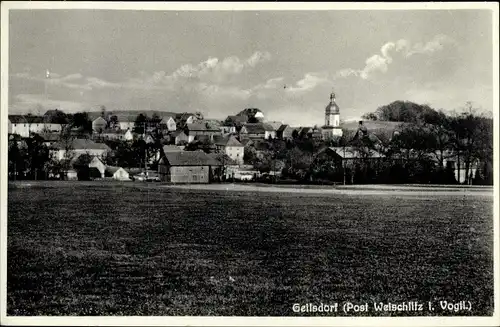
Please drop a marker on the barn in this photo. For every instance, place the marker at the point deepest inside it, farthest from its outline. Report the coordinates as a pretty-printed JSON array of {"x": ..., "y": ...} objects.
[{"x": 187, "y": 167}]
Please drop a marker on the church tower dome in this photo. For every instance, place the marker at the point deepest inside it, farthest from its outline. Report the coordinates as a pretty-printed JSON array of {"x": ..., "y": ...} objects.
[
  {"x": 332, "y": 127},
  {"x": 332, "y": 107}
]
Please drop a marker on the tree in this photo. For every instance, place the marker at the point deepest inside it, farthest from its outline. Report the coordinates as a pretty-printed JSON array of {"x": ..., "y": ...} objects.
[
  {"x": 38, "y": 155},
  {"x": 81, "y": 121},
  {"x": 471, "y": 139},
  {"x": 113, "y": 122},
  {"x": 140, "y": 122},
  {"x": 370, "y": 116},
  {"x": 17, "y": 162},
  {"x": 198, "y": 115}
]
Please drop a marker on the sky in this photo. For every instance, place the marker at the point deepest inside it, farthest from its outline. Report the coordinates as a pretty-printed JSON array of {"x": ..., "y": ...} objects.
[{"x": 285, "y": 63}]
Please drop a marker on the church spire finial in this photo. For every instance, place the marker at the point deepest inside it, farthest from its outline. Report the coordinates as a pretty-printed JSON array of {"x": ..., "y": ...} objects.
[{"x": 332, "y": 96}]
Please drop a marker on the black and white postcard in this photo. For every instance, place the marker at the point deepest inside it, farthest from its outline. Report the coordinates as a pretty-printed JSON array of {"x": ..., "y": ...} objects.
[{"x": 283, "y": 164}]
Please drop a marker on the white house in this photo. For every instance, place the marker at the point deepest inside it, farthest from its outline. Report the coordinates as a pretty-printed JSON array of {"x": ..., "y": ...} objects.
[
  {"x": 99, "y": 165},
  {"x": 168, "y": 123},
  {"x": 126, "y": 121},
  {"x": 230, "y": 146},
  {"x": 182, "y": 137},
  {"x": 113, "y": 134},
  {"x": 77, "y": 147},
  {"x": 117, "y": 173}
]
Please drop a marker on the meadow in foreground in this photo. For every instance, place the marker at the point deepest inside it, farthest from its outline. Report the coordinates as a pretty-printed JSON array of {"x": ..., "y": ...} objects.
[{"x": 112, "y": 249}]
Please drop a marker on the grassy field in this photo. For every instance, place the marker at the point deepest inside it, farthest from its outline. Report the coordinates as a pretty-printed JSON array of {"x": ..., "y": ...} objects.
[{"x": 143, "y": 249}]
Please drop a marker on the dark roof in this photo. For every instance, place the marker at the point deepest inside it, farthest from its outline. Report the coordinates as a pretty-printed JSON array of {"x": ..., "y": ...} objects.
[
  {"x": 51, "y": 112},
  {"x": 190, "y": 158},
  {"x": 84, "y": 159},
  {"x": 34, "y": 119},
  {"x": 202, "y": 138},
  {"x": 258, "y": 128},
  {"x": 235, "y": 120},
  {"x": 275, "y": 125},
  {"x": 261, "y": 145},
  {"x": 113, "y": 169},
  {"x": 303, "y": 130},
  {"x": 283, "y": 127},
  {"x": 246, "y": 142},
  {"x": 202, "y": 126},
  {"x": 171, "y": 148},
  {"x": 223, "y": 159},
  {"x": 226, "y": 140},
  {"x": 17, "y": 119},
  {"x": 50, "y": 136},
  {"x": 83, "y": 144},
  {"x": 114, "y": 131},
  {"x": 26, "y": 119}
]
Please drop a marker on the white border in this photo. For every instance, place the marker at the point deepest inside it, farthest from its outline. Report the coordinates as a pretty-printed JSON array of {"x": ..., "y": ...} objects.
[{"x": 240, "y": 321}]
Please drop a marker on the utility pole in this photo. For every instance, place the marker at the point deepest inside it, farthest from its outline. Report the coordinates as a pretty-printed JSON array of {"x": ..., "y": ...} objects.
[
  {"x": 145, "y": 151},
  {"x": 343, "y": 165},
  {"x": 47, "y": 77}
]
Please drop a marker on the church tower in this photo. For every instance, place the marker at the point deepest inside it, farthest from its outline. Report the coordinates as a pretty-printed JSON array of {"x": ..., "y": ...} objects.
[{"x": 332, "y": 120}]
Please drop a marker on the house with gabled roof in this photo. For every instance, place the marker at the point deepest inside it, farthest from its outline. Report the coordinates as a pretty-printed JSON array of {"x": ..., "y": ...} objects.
[
  {"x": 167, "y": 123},
  {"x": 187, "y": 167},
  {"x": 115, "y": 134},
  {"x": 259, "y": 131},
  {"x": 77, "y": 147},
  {"x": 182, "y": 119},
  {"x": 285, "y": 132},
  {"x": 25, "y": 125},
  {"x": 117, "y": 173},
  {"x": 126, "y": 121},
  {"x": 88, "y": 167},
  {"x": 180, "y": 137},
  {"x": 202, "y": 128},
  {"x": 230, "y": 146}
]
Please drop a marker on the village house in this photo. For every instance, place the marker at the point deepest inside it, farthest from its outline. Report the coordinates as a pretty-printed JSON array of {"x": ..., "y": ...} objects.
[
  {"x": 117, "y": 173},
  {"x": 115, "y": 134},
  {"x": 125, "y": 121},
  {"x": 88, "y": 167},
  {"x": 25, "y": 125},
  {"x": 18, "y": 125},
  {"x": 285, "y": 132},
  {"x": 181, "y": 137},
  {"x": 253, "y": 115},
  {"x": 275, "y": 125},
  {"x": 202, "y": 128},
  {"x": 167, "y": 123},
  {"x": 182, "y": 119},
  {"x": 233, "y": 123},
  {"x": 76, "y": 147},
  {"x": 50, "y": 138},
  {"x": 258, "y": 131},
  {"x": 227, "y": 168},
  {"x": 186, "y": 167},
  {"x": 230, "y": 146},
  {"x": 55, "y": 120}
]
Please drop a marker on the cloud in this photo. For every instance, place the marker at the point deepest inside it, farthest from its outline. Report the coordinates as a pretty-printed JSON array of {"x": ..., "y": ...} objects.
[
  {"x": 380, "y": 62},
  {"x": 309, "y": 82},
  {"x": 434, "y": 45},
  {"x": 257, "y": 58},
  {"x": 24, "y": 103}
]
